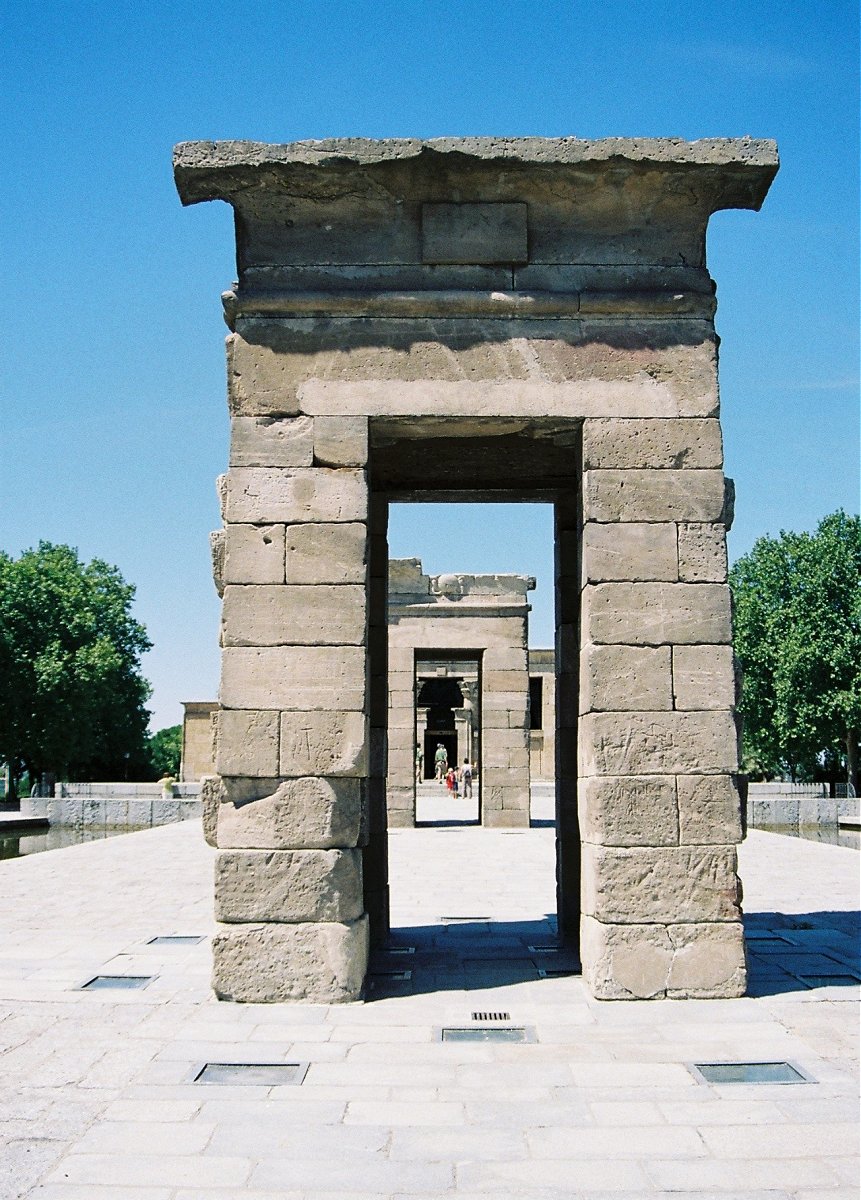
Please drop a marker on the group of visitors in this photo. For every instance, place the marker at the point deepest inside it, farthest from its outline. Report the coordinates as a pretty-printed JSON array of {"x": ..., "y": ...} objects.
[{"x": 457, "y": 780}]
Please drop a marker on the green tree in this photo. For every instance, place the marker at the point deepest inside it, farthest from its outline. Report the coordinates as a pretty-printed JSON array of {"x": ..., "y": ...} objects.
[
  {"x": 71, "y": 693},
  {"x": 798, "y": 637},
  {"x": 165, "y": 751}
]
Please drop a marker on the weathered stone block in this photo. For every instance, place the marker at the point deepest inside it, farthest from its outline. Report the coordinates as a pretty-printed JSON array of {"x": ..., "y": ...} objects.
[
  {"x": 324, "y": 743},
  {"x": 702, "y": 553},
  {"x": 703, "y": 677},
  {"x": 322, "y": 962},
  {"x": 305, "y": 615},
  {"x": 272, "y": 442},
  {"x": 709, "y": 809},
  {"x": 629, "y": 551},
  {"x": 212, "y": 796},
  {"x": 247, "y": 743},
  {"x": 622, "y": 678},
  {"x": 474, "y": 233},
  {"x": 288, "y": 885},
  {"x": 341, "y": 441},
  {"x": 326, "y": 553},
  {"x": 631, "y": 811},
  {"x": 654, "y": 614},
  {"x": 669, "y": 883},
  {"x": 294, "y": 678},
  {"x": 700, "y": 961},
  {"x": 662, "y": 444},
  {"x": 253, "y": 554},
  {"x": 506, "y": 818},
  {"x": 676, "y": 743},
  {"x": 299, "y": 814},
  {"x": 653, "y": 495},
  {"x": 266, "y": 495},
  {"x": 260, "y": 380},
  {"x": 216, "y": 554}
]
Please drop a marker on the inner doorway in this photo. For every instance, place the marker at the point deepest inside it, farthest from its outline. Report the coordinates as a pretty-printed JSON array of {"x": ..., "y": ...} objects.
[{"x": 448, "y": 709}]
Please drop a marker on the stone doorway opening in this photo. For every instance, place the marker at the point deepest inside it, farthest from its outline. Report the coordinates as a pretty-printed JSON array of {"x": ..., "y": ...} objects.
[
  {"x": 478, "y": 621},
  {"x": 447, "y": 707}
]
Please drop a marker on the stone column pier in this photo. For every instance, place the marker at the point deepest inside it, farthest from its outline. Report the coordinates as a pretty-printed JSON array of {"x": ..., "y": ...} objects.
[{"x": 539, "y": 312}]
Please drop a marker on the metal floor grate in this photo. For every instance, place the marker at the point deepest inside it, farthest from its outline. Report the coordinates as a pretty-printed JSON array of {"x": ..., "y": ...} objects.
[
  {"x": 750, "y": 1072},
  {"x": 118, "y": 982},
  {"x": 498, "y": 1033},
  {"x": 176, "y": 939},
  {"x": 491, "y": 1016},
  {"x": 251, "y": 1074}
]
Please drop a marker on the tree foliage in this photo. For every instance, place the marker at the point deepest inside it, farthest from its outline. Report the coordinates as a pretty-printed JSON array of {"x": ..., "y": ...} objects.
[
  {"x": 71, "y": 693},
  {"x": 165, "y": 751},
  {"x": 798, "y": 637}
]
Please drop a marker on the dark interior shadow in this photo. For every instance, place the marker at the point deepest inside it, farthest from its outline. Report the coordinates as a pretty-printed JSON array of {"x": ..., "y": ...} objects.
[
  {"x": 791, "y": 952},
  {"x": 468, "y": 954}
]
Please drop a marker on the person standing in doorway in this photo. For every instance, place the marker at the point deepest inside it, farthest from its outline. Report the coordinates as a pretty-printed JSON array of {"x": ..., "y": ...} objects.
[
  {"x": 440, "y": 760},
  {"x": 466, "y": 779},
  {"x": 420, "y": 762}
]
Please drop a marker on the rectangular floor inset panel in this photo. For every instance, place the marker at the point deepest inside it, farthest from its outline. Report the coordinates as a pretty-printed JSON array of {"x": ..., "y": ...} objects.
[
  {"x": 118, "y": 982},
  {"x": 497, "y": 1033},
  {"x": 176, "y": 939},
  {"x": 752, "y": 1072},
  {"x": 257, "y": 1074}
]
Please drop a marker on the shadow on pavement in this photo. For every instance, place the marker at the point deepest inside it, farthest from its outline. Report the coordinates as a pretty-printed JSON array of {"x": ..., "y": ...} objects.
[{"x": 791, "y": 952}]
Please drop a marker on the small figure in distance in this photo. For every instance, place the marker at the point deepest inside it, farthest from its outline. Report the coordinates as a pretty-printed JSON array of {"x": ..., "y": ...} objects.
[
  {"x": 440, "y": 761},
  {"x": 167, "y": 781},
  {"x": 466, "y": 779},
  {"x": 420, "y": 762},
  {"x": 451, "y": 781}
]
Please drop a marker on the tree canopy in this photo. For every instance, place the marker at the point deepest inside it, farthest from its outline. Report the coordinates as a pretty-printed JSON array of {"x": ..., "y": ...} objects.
[
  {"x": 798, "y": 638},
  {"x": 165, "y": 751},
  {"x": 72, "y": 697}
]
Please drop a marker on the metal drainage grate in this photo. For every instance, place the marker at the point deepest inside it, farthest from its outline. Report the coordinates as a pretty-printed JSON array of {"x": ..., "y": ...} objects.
[
  {"x": 750, "y": 1072},
  {"x": 390, "y": 973},
  {"x": 400, "y": 950},
  {"x": 118, "y": 982},
  {"x": 491, "y": 1016},
  {"x": 556, "y": 972},
  {"x": 543, "y": 949},
  {"x": 500, "y": 1033},
  {"x": 460, "y": 920},
  {"x": 250, "y": 1074},
  {"x": 176, "y": 939}
]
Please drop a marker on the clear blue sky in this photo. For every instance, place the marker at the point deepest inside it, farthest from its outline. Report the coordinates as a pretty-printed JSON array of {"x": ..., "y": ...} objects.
[{"x": 114, "y": 420}]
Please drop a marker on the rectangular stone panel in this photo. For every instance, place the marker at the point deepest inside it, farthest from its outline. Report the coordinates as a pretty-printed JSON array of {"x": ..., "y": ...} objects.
[
  {"x": 288, "y": 885},
  {"x": 480, "y": 234},
  {"x": 669, "y": 883},
  {"x": 247, "y": 743},
  {"x": 663, "y": 444},
  {"x": 265, "y": 495},
  {"x": 293, "y": 677},
  {"x": 341, "y": 441},
  {"x": 324, "y": 743},
  {"x": 259, "y": 379},
  {"x": 703, "y": 677},
  {"x": 710, "y": 809},
  {"x": 304, "y": 615},
  {"x": 682, "y": 743},
  {"x": 293, "y": 814},
  {"x": 653, "y": 614},
  {"x": 634, "y": 810},
  {"x": 624, "y": 678},
  {"x": 629, "y": 551},
  {"x": 650, "y": 961},
  {"x": 323, "y": 552},
  {"x": 702, "y": 553},
  {"x": 253, "y": 554},
  {"x": 653, "y": 495},
  {"x": 272, "y": 442},
  {"x": 320, "y": 962}
]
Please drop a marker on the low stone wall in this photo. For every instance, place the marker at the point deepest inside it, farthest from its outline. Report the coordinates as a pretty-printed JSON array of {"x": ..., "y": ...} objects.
[
  {"x": 787, "y": 804},
  {"x": 99, "y": 805}
]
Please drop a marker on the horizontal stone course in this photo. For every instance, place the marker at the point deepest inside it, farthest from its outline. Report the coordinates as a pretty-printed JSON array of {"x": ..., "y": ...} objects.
[
  {"x": 628, "y": 551},
  {"x": 625, "y": 678},
  {"x": 323, "y": 962},
  {"x": 661, "y": 444},
  {"x": 326, "y": 552},
  {"x": 632, "y": 810},
  {"x": 659, "y": 743},
  {"x": 626, "y": 885},
  {"x": 654, "y": 614},
  {"x": 297, "y": 615},
  {"x": 288, "y": 885},
  {"x": 324, "y": 743},
  {"x": 312, "y": 813},
  {"x": 303, "y": 678},
  {"x": 271, "y": 442},
  {"x": 267, "y": 495},
  {"x": 653, "y": 495}
]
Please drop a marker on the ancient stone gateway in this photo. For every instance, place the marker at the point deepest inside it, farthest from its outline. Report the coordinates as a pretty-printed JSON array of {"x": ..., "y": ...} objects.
[{"x": 541, "y": 310}]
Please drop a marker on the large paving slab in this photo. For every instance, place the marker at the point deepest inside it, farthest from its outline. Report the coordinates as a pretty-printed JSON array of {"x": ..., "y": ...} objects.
[{"x": 97, "y": 1102}]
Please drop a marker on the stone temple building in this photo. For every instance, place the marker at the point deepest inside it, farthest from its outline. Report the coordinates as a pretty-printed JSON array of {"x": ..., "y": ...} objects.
[{"x": 539, "y": 311}]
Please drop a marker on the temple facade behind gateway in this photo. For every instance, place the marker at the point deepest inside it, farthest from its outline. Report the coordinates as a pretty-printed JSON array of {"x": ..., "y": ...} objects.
[{"x": 460, "y": 675}]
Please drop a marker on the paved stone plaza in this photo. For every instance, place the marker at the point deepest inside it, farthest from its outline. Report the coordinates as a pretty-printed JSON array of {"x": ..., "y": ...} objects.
[{"x": 98, "y": 1104}]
